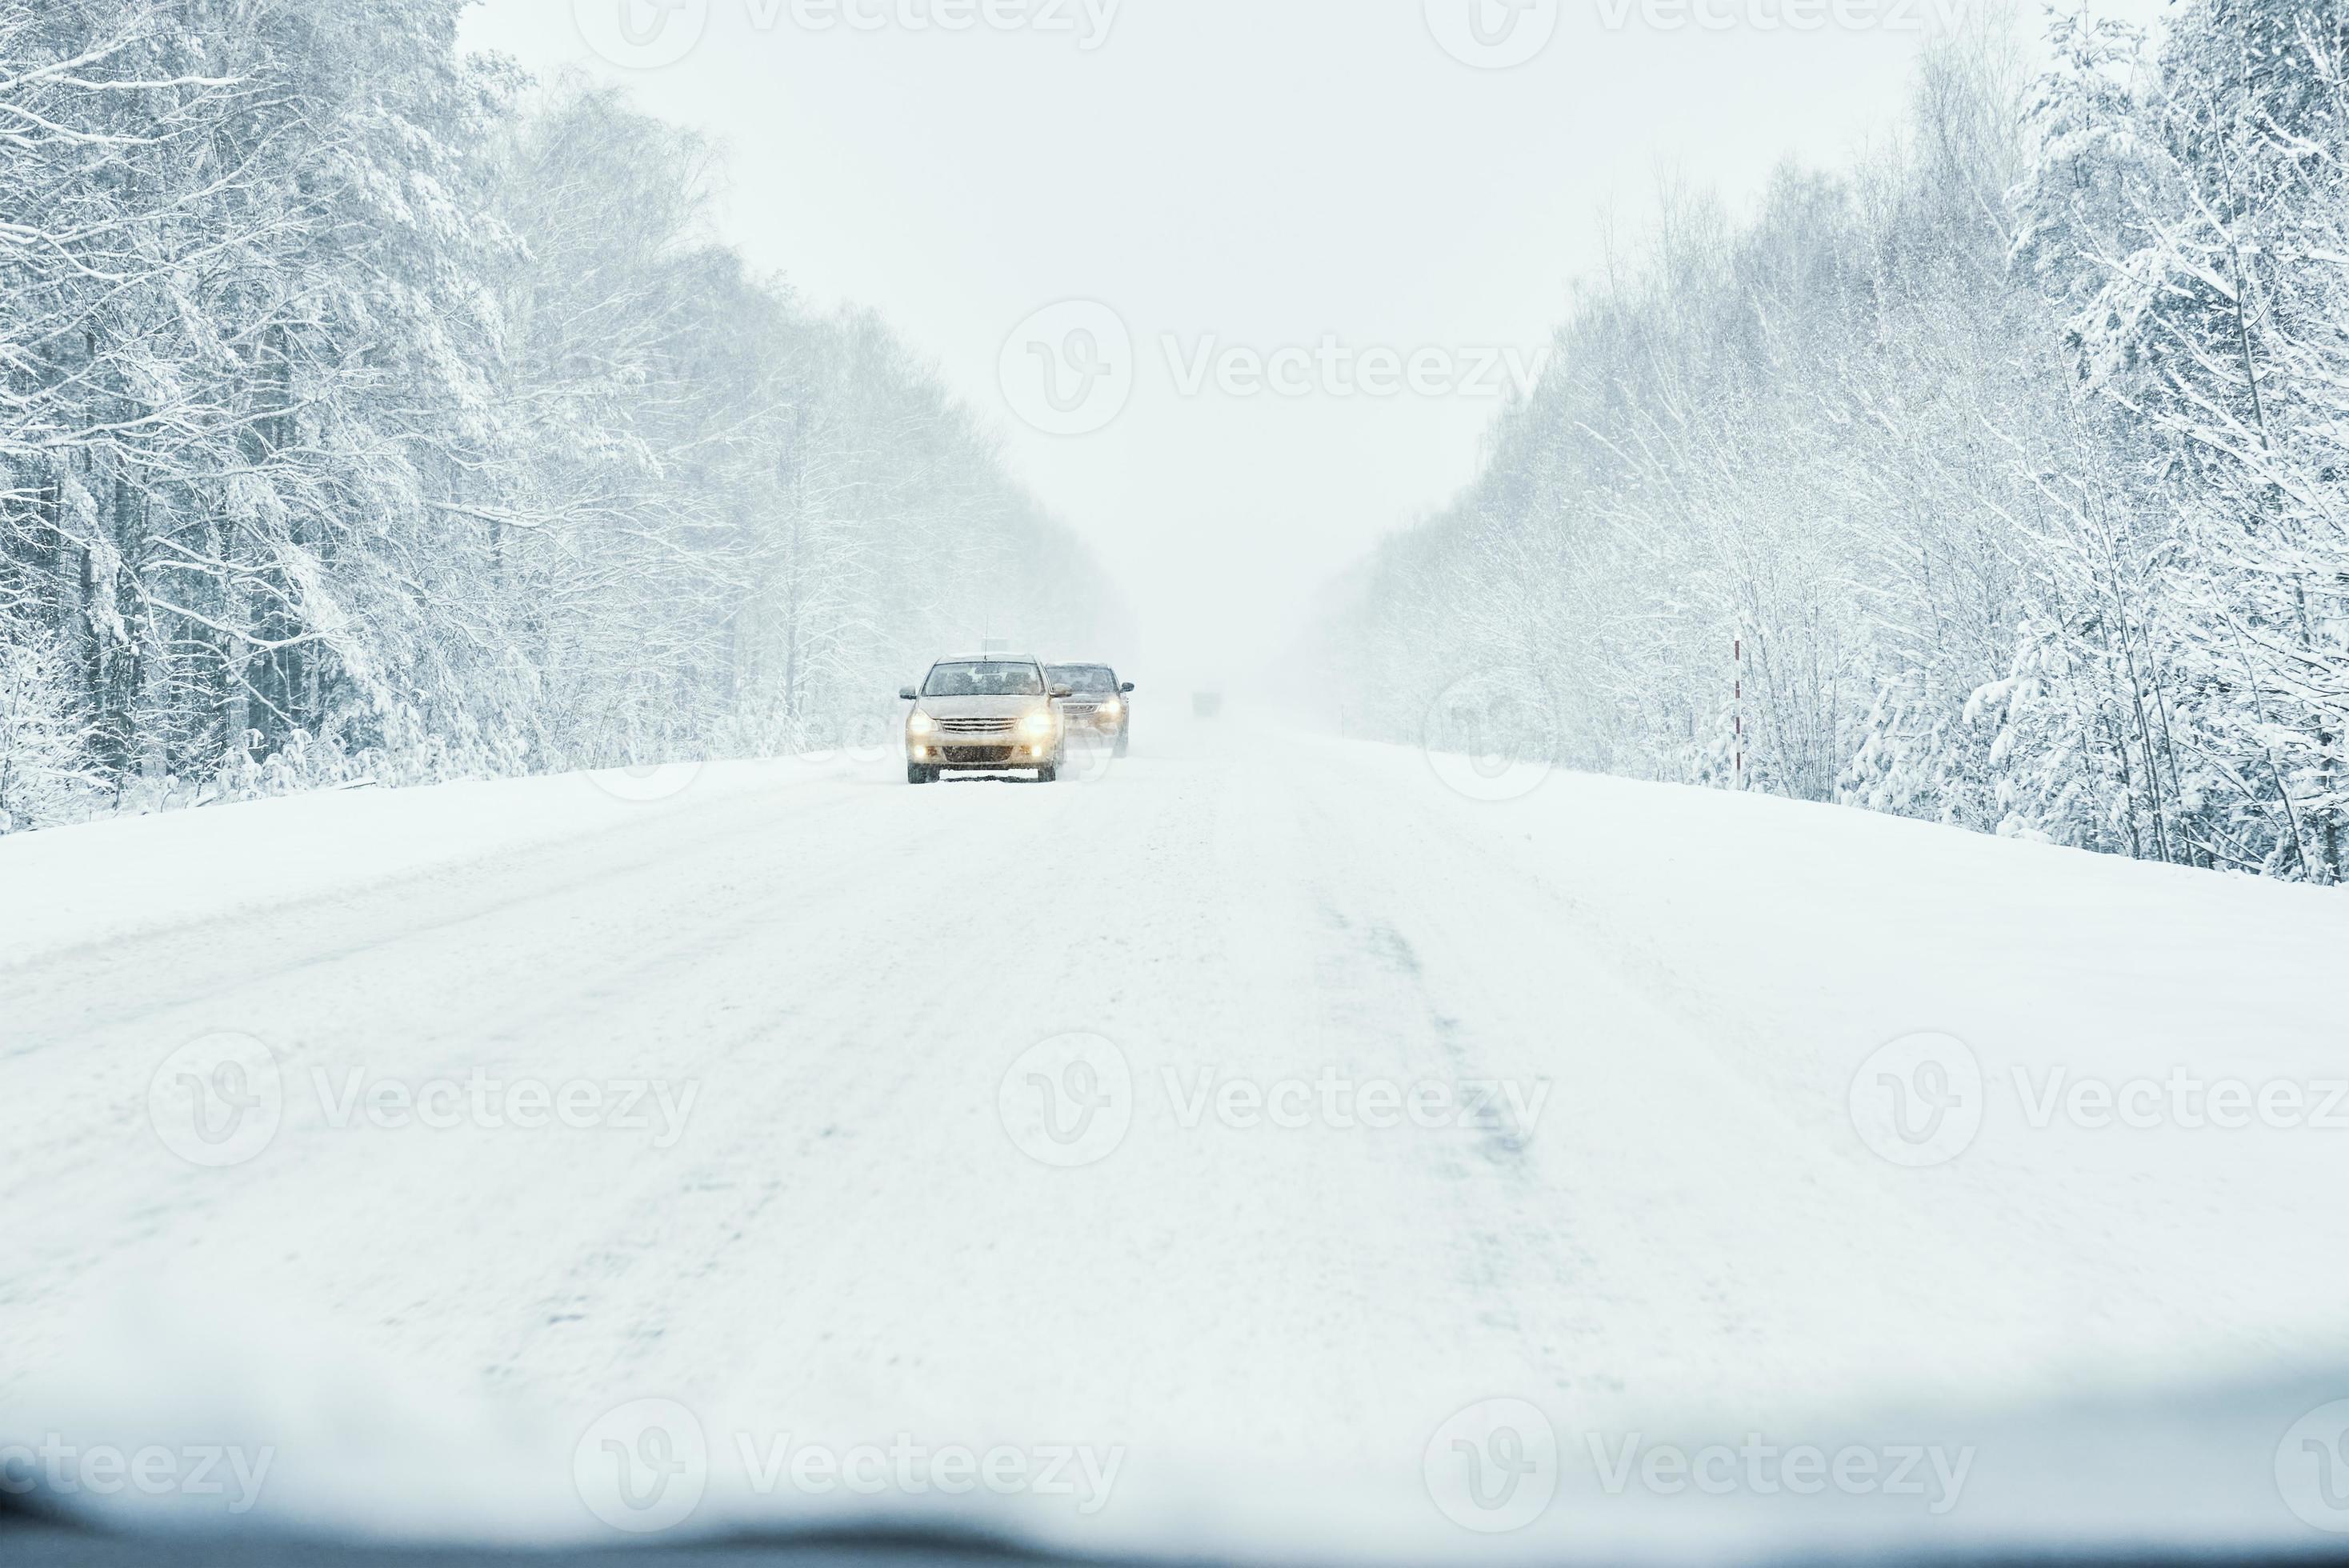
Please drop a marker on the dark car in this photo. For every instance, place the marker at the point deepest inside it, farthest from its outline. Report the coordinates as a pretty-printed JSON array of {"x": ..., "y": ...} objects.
[{"x": 1097, "y": 703}]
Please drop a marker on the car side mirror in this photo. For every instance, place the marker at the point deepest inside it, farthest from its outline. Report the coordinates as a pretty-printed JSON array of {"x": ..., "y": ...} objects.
[
  {"x": 1128, "y": 688},
  {"x": 905, "y": 694},
  {"x": 1064, "y": 691}
]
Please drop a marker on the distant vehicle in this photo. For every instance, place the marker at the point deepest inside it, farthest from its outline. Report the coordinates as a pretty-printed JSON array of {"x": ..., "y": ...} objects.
[
  {"x": 1206, "y": 704},
  {"x": 984, "y": 713},
  {"x": 1097, "y": 704}
]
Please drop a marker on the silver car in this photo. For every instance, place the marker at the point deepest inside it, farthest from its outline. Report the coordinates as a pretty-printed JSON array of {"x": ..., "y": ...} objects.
[
  {"x": 984, "y": 713},
  {"x": 1098, "y": 704}
]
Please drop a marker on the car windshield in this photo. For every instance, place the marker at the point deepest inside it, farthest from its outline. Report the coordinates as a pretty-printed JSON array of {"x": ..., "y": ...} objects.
[
  {"x": 1695, "y": 930},
  {"x": 991, "y": 678}
]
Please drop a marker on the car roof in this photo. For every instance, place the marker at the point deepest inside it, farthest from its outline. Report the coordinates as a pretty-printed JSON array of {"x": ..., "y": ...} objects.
[{"x": 988, "y": 659}]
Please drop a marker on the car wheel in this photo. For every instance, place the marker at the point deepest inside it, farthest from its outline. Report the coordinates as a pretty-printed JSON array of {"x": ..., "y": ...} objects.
[
  {"x": 1049, "y": 774},
  {"x": 917, "y": 774},
  {"x": 1119, "y": 749}
]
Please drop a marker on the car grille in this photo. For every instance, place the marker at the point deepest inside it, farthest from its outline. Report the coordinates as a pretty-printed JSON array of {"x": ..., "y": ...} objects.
[
  {"x": 976, "y": 726},
  {"x": 979, "y": 754}
]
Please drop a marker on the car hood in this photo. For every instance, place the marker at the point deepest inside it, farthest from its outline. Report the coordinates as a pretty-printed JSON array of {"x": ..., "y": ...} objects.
[{"x": 979, "y": 706}]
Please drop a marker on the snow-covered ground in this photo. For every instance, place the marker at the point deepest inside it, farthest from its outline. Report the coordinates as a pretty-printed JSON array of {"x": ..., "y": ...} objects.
[{"x": 1258, "y": 1144}]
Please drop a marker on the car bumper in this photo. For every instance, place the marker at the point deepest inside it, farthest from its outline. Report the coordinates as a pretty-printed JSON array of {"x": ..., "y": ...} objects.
[{"x": 981, "y": 757}]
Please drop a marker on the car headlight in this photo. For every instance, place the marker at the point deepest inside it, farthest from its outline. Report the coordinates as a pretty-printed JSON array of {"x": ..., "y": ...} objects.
[
  {"x": 1111, "y": 708},
  {"x": 921, "y": 724},
  {"x": 1040, "y": 724}
]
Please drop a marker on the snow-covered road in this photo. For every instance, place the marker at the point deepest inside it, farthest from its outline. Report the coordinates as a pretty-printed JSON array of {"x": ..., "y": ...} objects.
[{"x": 1232, "y": 1119}]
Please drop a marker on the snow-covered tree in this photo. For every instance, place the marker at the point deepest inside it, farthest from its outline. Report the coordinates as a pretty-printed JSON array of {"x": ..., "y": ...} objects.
[
  {"x": 44, "y": 768},
  {"x": 367, "y": 410},
  {"x": 2012, "y": 460}
]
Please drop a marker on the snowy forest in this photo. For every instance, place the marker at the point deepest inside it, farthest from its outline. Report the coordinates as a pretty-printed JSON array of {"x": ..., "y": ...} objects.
[
  {"x": 373, "y": 413},
  {"x": 2001, "y": 478}
]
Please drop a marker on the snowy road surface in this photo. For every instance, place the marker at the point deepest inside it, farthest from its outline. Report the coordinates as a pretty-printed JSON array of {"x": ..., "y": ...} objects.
[{"x": 519, "y": 1105}]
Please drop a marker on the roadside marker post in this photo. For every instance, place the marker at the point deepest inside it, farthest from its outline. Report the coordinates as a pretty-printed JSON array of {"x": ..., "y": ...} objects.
[{"x": 1737, "y": 711}]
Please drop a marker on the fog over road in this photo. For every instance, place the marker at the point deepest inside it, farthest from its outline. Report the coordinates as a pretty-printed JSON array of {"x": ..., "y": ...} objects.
[{"x": 1227, "y": 1118}]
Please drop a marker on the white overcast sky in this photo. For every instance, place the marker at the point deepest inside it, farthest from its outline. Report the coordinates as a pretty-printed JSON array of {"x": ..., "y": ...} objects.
[{"x": 1261, "y": 171}]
